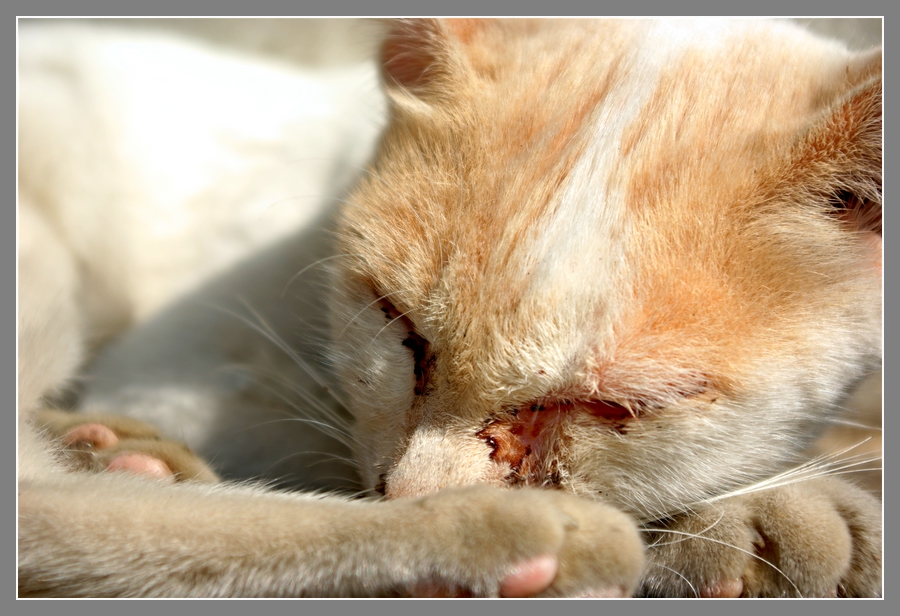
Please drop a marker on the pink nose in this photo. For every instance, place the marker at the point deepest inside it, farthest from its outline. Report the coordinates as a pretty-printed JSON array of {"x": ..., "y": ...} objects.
[{"x": 434, "y": 460}]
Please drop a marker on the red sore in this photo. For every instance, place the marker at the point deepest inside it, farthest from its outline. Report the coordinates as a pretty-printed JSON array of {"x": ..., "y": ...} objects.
[{"x": 523, "y": 438}]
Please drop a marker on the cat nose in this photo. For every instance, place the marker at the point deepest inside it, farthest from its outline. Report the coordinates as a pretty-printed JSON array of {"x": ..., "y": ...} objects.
[{"x": 435, "y": 460}]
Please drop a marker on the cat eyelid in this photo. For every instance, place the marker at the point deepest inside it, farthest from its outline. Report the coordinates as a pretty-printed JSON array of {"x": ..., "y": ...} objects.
[
  {"x": 418, "y": 345},
  {"x": 393, "y": 314},
  {"x": 384, "y": 301},
  {"x": 604, "y": 409},
  {"x": 618, "y": 409}
]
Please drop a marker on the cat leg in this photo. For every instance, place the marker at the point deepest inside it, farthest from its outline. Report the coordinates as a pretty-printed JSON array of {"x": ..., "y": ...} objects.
[
  {"x": 111, "y": 442},
  {"x": 816, "y": 538},
  {"x": 114, "y": 534}
]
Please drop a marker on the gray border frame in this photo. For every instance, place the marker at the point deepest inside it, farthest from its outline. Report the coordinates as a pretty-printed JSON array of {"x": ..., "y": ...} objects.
[{"x": 337, "y": 8}]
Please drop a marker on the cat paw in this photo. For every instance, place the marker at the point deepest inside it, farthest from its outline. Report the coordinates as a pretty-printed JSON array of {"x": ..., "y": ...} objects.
[
  {"x": 114, "y": 443},
  {"x": 542, "y": 543},
  {"x": 818, "y": 538}
]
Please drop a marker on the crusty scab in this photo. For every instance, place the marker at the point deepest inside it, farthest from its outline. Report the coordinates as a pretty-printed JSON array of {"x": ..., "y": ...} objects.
[{"x": 525, "y": 438}]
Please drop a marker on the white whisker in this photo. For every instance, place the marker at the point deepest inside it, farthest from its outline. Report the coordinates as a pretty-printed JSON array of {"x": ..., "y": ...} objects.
[
  {"x": 739, "y": 549},
  {"x": 263, "y": 328},
  {"x": 821, "y": 466},
  {"x": 369, "y": 305},
  {"x": 671, "y": 570},
  {"x": 312, "y": 265},
  {"x": 390, "y": 323}
]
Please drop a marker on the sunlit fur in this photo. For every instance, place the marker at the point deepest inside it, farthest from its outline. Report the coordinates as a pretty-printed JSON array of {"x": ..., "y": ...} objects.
[
  {"x": 666, "y": 235},
  {"x": 635, "y": 212}
]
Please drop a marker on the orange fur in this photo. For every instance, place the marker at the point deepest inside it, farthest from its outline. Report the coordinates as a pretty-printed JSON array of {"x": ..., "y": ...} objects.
[{"x": 715, "y": 240}]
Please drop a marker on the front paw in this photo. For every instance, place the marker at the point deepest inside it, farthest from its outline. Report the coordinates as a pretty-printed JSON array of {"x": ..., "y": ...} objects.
[
  {"x": 817, "y": 538},
  {"x": 543, "y": 543},
  {"x": 113, "y": 443}
]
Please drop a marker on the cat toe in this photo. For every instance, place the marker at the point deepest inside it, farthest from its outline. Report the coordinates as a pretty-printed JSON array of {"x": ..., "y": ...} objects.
[
  {"x": 529, "y": 578},
  {"x": 819, "y": 538},
  {"x": 141, "y": 464},
  {"x": 157, "y": 459},
  {"x": 93, "y": 435},
  {"x": 538, "y": 543},
  {"x": 725, "y": 589},
  {"x": 113, "y": 443},
  {"x": 602, "y": 554}
]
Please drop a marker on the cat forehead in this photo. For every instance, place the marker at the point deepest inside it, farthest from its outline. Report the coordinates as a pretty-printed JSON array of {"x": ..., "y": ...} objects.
[
  {"x": 579, "y": 179},
  {"x": 556, "y": 126}
]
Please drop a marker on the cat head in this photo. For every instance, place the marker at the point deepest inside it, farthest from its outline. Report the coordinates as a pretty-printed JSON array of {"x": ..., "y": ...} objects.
[{"x": 636, "y": 260}]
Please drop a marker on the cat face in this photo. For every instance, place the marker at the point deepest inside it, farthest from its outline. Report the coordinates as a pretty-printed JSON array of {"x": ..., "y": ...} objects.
[{"x": 634, "y": 260}]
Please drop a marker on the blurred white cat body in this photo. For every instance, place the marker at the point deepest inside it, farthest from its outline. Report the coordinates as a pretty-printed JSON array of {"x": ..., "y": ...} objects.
[{"x": 152, "y": 164}]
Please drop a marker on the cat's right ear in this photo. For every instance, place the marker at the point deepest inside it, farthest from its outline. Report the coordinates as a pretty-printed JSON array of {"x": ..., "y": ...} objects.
[
  {"x": 843, "y": 151},
  {"x": 864, "y": 66},
  {"x": 837, "y": 162}
]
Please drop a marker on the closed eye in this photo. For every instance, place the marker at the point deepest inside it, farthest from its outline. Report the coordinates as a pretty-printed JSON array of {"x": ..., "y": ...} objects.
[{"x": 420, "y": 347}]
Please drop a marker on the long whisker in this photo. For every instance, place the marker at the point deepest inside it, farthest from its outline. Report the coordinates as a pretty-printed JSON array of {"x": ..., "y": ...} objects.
[
  {"x": 837, "y": 421},
  {"x": 823, "y": 465},
  {"x": 327, "y": 429},
  {"x": 326, "y": 412},
  {"x": 739, "y": 549},
  {"x": 390, "y": 323},
  {"x": 312, "y": 265},
  {"x": 369, "y": 305},
  {"x": 686, "y": 581},
  {"x": 266, "y": 331},
  {"x": 705, "y": 530},
  {"x": 325, "y": 457}
]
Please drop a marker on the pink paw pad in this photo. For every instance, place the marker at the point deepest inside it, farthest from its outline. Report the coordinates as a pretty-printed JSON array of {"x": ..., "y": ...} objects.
[
  {"x": 529, "y": 578},
  {"x": 141, "y": 464},
  {"x": 729, "y": 589}
]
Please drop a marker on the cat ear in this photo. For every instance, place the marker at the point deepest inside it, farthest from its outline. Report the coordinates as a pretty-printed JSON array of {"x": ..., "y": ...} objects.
[
  {"x": 411, "y": 52},
  {"x": 840, "y": 156},
  {"x": 864, "y": 66},
  {"x": 422, "y": 56}
]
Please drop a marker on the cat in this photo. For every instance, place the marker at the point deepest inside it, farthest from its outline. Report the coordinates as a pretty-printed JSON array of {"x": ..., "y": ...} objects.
[{"x": 628, "y": 268}]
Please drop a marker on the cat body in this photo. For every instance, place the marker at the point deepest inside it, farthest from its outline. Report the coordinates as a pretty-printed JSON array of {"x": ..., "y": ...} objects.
[{"x": 635, "y": 264}]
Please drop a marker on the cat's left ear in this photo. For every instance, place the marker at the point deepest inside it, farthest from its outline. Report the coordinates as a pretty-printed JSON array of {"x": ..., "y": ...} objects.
[
  {"x": 426, "y": 60},
  {"x": 840, "y": 156}
]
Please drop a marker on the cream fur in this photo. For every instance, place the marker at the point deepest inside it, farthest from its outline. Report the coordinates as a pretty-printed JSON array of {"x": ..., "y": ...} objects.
[{"x": 577, "y": 214}]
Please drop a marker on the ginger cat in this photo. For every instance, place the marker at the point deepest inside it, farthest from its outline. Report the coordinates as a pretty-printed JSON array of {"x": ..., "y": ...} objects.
[{"x": 601, "y": 285}]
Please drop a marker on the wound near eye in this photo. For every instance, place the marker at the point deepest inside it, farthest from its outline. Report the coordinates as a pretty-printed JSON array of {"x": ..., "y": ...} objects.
[{"x": 525, "y": 438}]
